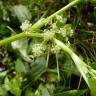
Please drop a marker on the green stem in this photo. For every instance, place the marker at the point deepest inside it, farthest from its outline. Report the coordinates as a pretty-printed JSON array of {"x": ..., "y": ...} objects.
[
  {"x": 47, "y": 20},
  {"x": 86, "y": 71},
  {"x": 79, "y": 63},
  {"x": 38, "y": 24},
  {"x": 19, "y": 36}
]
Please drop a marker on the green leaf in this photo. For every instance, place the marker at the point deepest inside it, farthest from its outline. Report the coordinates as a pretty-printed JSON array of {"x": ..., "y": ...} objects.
[
  {"x": 29, "y": 92},
  {"x": 51, "y": 75},
  {"x": 22, "y": 13},
  {"x": 45, "y": 90},
  {"x": 71, "y": 93},
  {"x": 85, "y": 70},
  {"x": 14, "y": 86},
  {"x": 69, "y": 67},
  {"x": 19, "y": 66},
  {"x": 38, "y": 68},
  {"x": 2, "y": 91},
  {"x": 93, "y": 2},
  {"x": 21, "y": 46}
]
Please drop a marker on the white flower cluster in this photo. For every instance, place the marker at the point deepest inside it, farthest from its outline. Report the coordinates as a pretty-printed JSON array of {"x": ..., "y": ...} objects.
[
  {"x": 55, "y": 49},
  {"x": 54, "y": 26},
  {"x": 62, "y": 31},
  {"x": 69, "y": 31},
  {"x": 65, "y": 31},
  {"x": 59, "y": 18},
  {"x": 38, "y": 49},
  {"x": 26, "y": 25},
  {"x": 48, "y": 35}
]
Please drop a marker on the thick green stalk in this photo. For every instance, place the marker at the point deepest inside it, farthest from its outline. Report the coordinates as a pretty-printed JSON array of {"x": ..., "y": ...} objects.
[
  {"x": 73, "y": 56},
  {"x": 47, "y": 20},
  {"x": 39, "y": 24},
  {"x": 19, "y": 36},
  {"x": 86, "y": 71}
]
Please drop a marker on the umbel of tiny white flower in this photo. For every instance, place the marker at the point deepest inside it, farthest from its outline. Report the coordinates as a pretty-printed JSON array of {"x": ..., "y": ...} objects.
[
  {"x": 48, "y": 35},
  {"x": 65, "y": 31},
  {"x": 38, "y": 49},
  {"x": 26, "y": 25},
  {"x": 55, "y": 49},
  {"x": 59, "y": 18}
]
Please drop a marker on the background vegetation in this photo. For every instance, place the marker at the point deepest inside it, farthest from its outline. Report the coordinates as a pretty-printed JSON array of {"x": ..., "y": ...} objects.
[{"x": 35, "y": 66}]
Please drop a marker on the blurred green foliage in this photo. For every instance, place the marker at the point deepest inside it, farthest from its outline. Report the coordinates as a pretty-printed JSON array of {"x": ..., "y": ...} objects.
[{"x": 29, "y": 75}]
